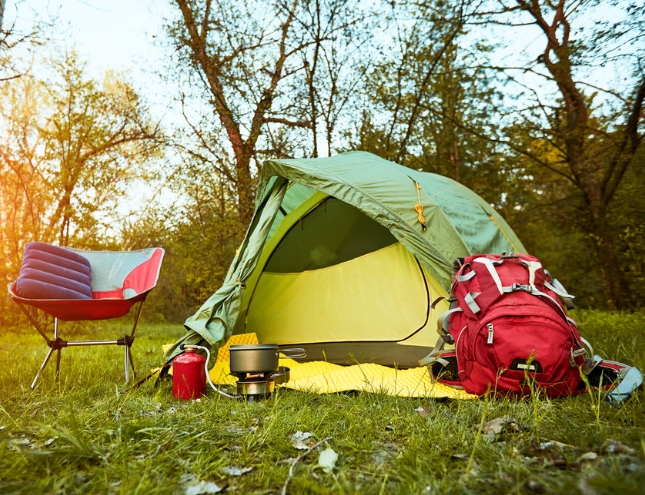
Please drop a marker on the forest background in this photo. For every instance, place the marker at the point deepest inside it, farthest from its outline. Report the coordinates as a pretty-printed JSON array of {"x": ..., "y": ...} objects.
[{"x": 535, "y": 105}]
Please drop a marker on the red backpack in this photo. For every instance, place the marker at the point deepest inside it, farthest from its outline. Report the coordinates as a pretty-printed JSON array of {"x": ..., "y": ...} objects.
[{"x": 510, "y": 330}]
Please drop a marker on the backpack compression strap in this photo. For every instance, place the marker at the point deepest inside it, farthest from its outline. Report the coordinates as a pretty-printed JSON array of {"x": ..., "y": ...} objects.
[{"x": 443, "y": 329}]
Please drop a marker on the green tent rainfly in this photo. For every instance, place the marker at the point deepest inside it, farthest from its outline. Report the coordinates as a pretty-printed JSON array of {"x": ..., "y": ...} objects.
[{"x": 337, "y": 260}]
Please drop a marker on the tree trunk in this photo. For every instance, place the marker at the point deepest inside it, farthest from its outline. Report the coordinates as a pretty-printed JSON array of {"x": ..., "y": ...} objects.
[
  {"x": 615, "y": 286},
  {"x": 245, "y": 188}
]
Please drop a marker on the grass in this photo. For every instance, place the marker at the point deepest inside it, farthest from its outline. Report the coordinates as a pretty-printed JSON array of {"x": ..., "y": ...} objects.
[{"x": 147, "y": 442}]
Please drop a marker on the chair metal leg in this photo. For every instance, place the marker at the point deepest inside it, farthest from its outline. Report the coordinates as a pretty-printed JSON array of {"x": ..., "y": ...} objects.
[
  {"x": 128, "y": 345},
  {"x": 58, "y": 353},
  {"x": 49, "y": 354},
  {"x": 136, "y": 320},
  {"x": 57, "y": 366},
  {"x": 35, "y": 323},
  {"x": 134, "y": 372},
  {"x": 127, "y": 364}
]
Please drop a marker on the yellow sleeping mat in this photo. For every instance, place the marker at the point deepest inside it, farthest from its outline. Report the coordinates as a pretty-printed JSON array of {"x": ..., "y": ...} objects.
[{"x": 319, "y": 377}]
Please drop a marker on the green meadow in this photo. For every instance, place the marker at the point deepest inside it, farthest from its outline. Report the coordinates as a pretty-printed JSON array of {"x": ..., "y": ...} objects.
[{"x": 82, "y": 435}]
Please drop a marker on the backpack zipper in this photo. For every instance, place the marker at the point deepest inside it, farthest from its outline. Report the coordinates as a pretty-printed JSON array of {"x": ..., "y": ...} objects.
[
  {"x": 566, "y": 328},
  {"x": 490, "y": 334}
]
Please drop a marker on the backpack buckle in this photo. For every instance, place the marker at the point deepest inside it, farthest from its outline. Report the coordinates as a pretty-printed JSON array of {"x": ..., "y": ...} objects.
[
  {"x": 510, "y": 256},
  {"x": 521, "y": 288}
]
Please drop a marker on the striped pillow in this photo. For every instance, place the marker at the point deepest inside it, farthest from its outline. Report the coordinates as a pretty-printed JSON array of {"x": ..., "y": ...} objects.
[{"x": 52, "y": 272}]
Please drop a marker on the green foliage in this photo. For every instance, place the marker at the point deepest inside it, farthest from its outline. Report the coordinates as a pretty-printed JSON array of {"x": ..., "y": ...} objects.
[
  {"x": 413, "y": 82},
  {"x": 200, "y": 234}
]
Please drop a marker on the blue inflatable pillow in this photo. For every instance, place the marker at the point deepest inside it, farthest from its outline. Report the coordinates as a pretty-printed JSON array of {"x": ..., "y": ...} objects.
[{"x": 51, "y": 272}]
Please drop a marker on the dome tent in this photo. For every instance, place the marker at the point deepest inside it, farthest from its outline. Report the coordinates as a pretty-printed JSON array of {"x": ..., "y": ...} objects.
[{"x": 336, "y": 260}]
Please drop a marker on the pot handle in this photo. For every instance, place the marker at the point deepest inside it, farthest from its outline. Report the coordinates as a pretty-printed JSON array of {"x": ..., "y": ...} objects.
[{"x": 299, "y": 350}]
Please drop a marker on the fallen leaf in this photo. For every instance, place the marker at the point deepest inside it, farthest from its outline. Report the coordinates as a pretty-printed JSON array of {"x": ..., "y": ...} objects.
[
  {"x": 615, "y": 447},
  {"x": 203, "y": 487},
  {"x": 563, "y": 464},
  {"x": 381, "y": 456},
  {"x": 173, "y": 410},
  {"x": 632, "y": 468},
  {"x": 234, "y": 429},
  {"x": 585, "y": 488},
  {"x": 299, "y": 436},
  {"x": 298, "y": 440},
  {"x": 327, "y": 460},
  {"x": 236, "y": 471},
  {"x": 496, "y": 426},
  {"x": 587, "y": 456},
  {"x": 553, "y": 443},
  {"x": 534, "y": 486},
  {"x": 50, "y": 441}
]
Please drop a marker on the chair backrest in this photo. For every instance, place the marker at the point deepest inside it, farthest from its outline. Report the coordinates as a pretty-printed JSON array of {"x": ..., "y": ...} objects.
[{"x": 123, "y": 274}]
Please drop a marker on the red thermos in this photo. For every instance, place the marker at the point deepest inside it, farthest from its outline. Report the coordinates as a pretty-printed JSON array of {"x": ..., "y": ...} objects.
[{"x": 189, "y": 376}]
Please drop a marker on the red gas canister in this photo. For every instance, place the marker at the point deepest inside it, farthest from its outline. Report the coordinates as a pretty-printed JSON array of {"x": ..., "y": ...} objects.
[{"x": 189, "y": 376}]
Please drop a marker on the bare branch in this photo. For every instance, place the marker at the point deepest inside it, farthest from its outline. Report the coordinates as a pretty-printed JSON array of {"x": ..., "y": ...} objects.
[{"x": 290, "y": 123}]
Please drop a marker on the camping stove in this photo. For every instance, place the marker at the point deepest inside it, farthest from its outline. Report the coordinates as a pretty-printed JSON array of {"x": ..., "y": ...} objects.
[
  {"x": 260, "y": 385},
  {"x": 254, "y": 387},
  {"x": 257, "y": 369}
]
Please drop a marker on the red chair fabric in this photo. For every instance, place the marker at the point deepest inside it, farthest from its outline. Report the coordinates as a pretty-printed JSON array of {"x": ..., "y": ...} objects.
[{"x": 129, "y": 276}]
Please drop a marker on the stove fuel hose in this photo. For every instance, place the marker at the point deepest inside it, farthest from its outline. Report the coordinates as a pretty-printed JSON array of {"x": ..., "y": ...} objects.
[{"x": 208, "y": 358}]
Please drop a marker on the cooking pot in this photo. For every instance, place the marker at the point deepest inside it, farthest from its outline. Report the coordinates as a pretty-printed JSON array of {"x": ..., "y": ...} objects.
[{"x": 259, "y": 358}]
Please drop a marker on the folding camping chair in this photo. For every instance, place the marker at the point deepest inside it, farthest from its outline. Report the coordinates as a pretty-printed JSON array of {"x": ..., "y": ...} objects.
[{"x": 119, "y": 280}]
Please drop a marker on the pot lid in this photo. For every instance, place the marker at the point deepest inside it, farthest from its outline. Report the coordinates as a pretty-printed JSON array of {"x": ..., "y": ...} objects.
[{"x": 254, "y": 347}]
